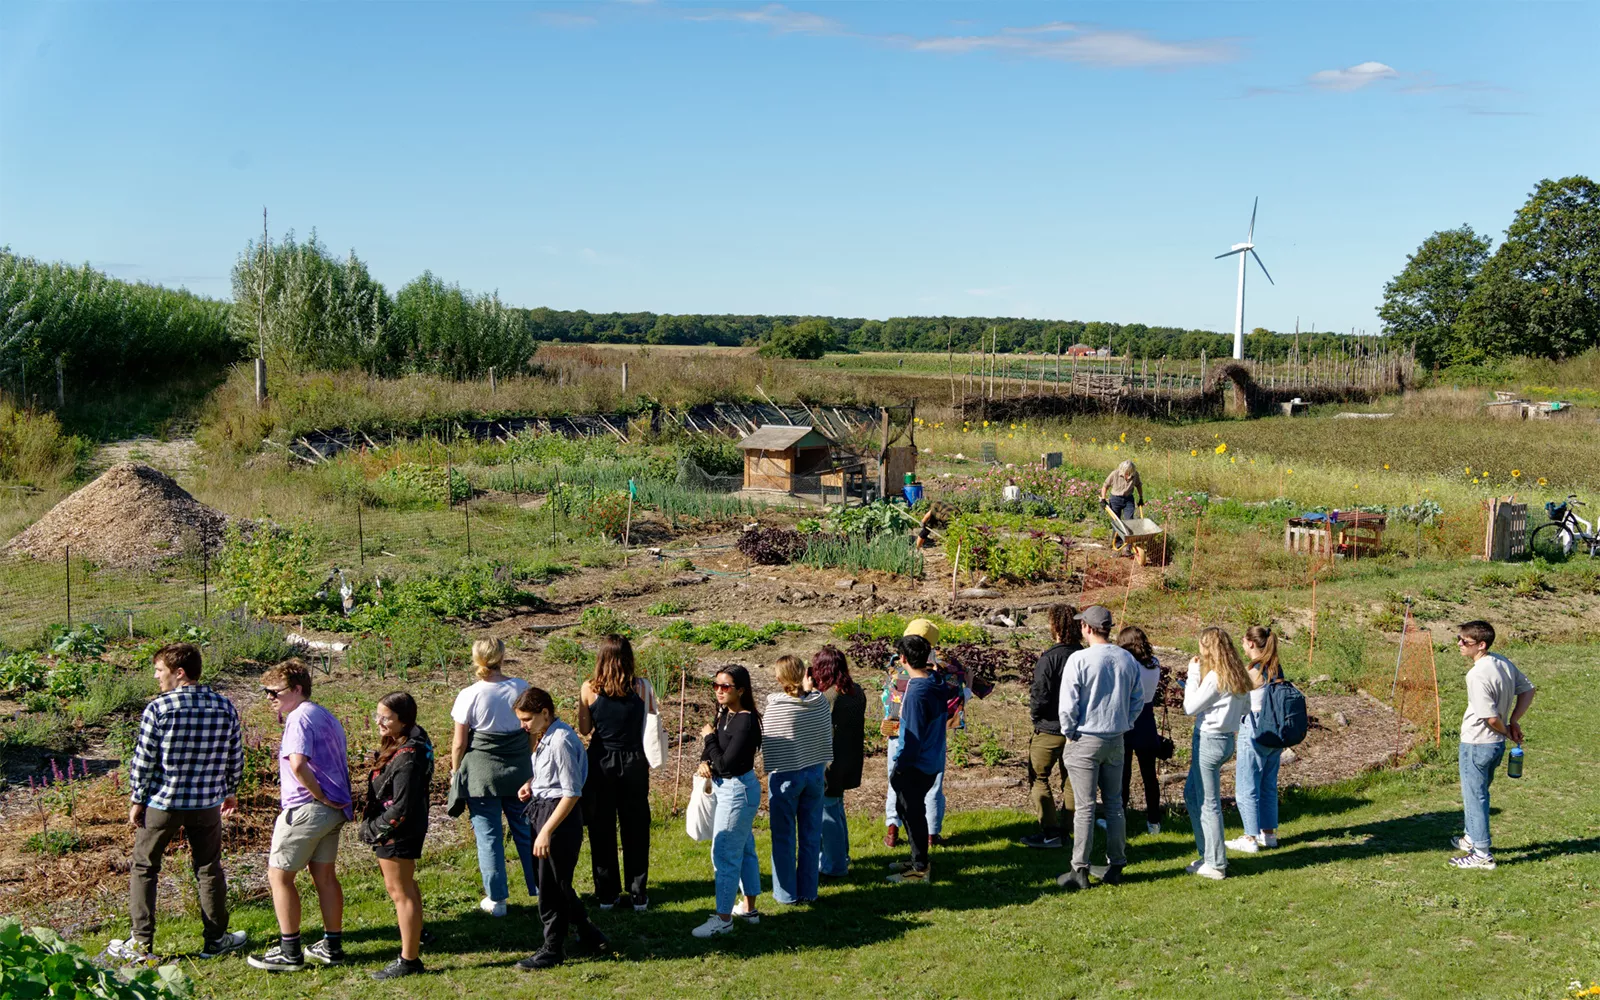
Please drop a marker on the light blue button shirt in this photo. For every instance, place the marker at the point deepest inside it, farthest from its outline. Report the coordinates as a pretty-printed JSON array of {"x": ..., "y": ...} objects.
[{"x": 560, "y": 765}]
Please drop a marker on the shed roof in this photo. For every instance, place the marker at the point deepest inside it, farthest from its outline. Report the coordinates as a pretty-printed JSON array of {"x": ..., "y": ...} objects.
[{"x": 779, "y": 437}]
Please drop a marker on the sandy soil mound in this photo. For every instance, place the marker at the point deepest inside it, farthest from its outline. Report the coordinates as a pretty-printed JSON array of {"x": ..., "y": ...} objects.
[{"x": 132, "y": 516}]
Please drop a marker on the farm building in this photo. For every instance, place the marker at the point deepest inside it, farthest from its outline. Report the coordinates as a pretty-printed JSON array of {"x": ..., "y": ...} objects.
[{"x": 775, "y": 456}]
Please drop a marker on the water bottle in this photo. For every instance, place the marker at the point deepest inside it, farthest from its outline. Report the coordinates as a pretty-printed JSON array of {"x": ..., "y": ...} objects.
[{"x": 1514, "y": 763}]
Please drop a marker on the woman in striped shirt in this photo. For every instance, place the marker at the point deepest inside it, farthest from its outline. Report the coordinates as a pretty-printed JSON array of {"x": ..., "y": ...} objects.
[{"x": 796, "y": 748}]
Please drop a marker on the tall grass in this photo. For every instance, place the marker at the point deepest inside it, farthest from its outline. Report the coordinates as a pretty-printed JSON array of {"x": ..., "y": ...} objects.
[
  {"x": 885, "y": 553},
  {"x": 33, "y": 449}
]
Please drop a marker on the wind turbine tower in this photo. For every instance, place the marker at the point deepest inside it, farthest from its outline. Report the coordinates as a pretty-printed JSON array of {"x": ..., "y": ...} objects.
[{"x": 1247, "y": 248}]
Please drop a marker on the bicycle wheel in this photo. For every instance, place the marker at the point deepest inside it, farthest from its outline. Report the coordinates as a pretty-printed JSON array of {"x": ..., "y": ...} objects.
[{"x": 1551, "y": 542}]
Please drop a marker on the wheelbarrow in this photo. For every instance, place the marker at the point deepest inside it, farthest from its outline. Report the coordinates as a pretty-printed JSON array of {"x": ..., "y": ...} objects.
[{"x": 1135, "y": 532}]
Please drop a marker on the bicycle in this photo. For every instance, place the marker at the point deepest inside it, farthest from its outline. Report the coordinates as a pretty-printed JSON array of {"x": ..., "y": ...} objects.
[{"x": 1564, "y": 534}]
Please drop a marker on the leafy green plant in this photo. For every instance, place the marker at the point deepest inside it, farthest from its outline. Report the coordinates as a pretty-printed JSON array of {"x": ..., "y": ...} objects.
[
  {"x": 1005, "y": 547},
  {"x": 991, "y": 749},
  {"x": 869, "y": 520},
  {"x": 727, "y": 635},
  {"x": 598, "y": 620},
  {"x": 1531, "y": 582},
  {"x": 268, "y": 571},
  {"x": 661, "y": 609},
  {"x": 1587, "y": 580},
  {"x": 411, "y": 639},
  {"x": 22, "y": 672},
  {"x": 663, "y": 660},
  {"x": 414, "y": 483},
  {"x": 37, "y": 962},
  {"x": 886, "y": 553},
  {"x": 960, "y": 748},
  {"x": 571, "y": 654},
  {"x": 888, "y": 626},
  {"x": 68, "y": 679},
  {"x": 85, "y": 640},
  {"x": 53, "y": 843}
]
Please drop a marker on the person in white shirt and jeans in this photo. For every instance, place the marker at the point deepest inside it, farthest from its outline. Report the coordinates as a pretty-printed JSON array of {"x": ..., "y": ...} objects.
[
  {"x": 1497, "y": 696},
  {"x": 1216, "y": 694}
]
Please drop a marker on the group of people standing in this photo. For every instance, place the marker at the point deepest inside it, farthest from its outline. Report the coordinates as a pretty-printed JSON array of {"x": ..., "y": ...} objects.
[{"x": 515, "y": 765}]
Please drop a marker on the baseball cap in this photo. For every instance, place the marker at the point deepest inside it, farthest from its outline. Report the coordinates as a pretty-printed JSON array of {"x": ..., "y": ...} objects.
[
  {"x": 1096, "y": 617},
  {"x": 925, "y": 628}
]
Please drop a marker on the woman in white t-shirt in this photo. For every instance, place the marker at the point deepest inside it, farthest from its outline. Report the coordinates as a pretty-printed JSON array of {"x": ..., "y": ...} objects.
[
  {"x": 490, "y": 745},
  {"x": 1216, "y": 694}
]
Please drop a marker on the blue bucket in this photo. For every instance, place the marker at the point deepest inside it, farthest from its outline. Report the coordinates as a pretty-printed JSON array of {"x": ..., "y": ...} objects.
[{"x": 913, "y": 493}]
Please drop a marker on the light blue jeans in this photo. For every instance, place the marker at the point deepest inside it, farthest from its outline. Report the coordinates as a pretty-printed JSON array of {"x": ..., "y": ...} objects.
[
  {"x": 794, "y": 811},
  {"x": 1255, "y": 781},
  {"x": 1478, "y": 763},
  {"x": 835, "y": 838},
  {"x": 1202, "y": 793},
  {"x": 934, "y": 800},
  {"x": 733, "y": 839},
  {"x": 486, "y": 811}
]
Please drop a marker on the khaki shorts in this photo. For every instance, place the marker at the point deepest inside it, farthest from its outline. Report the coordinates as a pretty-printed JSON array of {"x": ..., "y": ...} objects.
[{"x": 306, "y": 834}]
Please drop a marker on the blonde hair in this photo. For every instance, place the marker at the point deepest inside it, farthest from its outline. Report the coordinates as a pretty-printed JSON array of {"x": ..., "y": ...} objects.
[
  {"x": 1265, "y": 640},
  {"x": 1220, "y": 656},
  {"x": 613, "y": 667},
  {"x": 791, "y": 674},
  {"x": 487, "y": 655}
]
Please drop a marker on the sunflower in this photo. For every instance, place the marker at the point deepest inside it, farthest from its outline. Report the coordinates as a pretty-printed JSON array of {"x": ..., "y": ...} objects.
[{"x": 1221, "y": 448}]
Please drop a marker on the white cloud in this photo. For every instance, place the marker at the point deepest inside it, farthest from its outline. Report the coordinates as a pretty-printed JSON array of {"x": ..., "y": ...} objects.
[
  {"x": 776, "y": 16},
  {"x": 1354, "y": 78}
]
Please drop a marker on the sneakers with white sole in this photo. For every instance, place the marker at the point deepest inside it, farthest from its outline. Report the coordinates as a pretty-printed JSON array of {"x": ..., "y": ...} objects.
[
  {"x": 230, "y": 941},
  {"x": 1463, "y": 844},
  {"x": 1194, "y": 865},
  {"x": 495, "y": 908},
  {"x": 128, "y": 951},
  {"x": 1247, "y": 845},
  {"x": 1206, "y": 871},
  {"x": 745, "y": 912},
  {"x": 1269, "y": 840},
  {"x": 1475, "y": 860},
  {"x": 713, "y": 926},
  {"x": 1152, "y": 828}
]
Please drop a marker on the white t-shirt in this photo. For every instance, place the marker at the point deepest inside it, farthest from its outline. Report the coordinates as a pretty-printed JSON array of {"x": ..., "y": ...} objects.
[
  {"x": 1150, "y": 679},
  {"x": 1493, "y": 684},
  {"x": 487, "y": 706}
]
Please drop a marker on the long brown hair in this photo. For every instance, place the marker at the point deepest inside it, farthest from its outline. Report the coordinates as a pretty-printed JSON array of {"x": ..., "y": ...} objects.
[
  {"x": 1133, "y": 639},
  {"x": 829, "y": 669},
  {"x": 613, "y": 667},
  {"x": 1220, "y": 656},
  {"x": 404, "y": 708},
  {"x": 1263, "y": 639},
  {"x": 1064, "y": 625}
]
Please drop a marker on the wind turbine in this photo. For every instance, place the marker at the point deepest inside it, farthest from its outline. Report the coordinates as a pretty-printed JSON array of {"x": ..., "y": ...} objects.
[{"x": 1248, "y": 247}]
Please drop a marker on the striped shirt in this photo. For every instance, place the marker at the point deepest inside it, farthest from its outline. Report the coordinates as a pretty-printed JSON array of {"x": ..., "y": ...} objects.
[
  {"x": 796, "y": 733},
  {"x": 560, "y": 766},
  {"x": 188, "y": 755}
]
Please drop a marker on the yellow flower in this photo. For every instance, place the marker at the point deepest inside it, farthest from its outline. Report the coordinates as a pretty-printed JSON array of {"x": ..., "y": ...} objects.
[
  {"x": 1386, "y": 467},
  {"x": 986, "y": 423},
  {"x": 1066, "y": 437},
  {"x": 1091, "y": 440},
  {"x": 1467, "y": 470},
  {"x": 1013, "y": 426},
  {"x": 1193, "y": 452},
  {"x": 1288, "y": 472},
  {"x": 1123, "y": 437},
  {"x": 1219, "y": 449},
  {"x": 1147, "y": 439},
  {"x": 1474, "y": 480},
  {"x": 1516, "y": 473},
  {"x": 1234, "y": 459},
  {"x": 1010, "y": 435},
  {"x": 1543, "y": 481}
]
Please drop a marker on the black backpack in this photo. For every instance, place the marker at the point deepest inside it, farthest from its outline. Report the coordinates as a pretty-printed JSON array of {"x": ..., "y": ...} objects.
[{"x": 1282, "y": 721}]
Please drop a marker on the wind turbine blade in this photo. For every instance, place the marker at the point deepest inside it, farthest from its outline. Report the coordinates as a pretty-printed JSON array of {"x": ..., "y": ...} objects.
[
  {"x": 1253, "y": 206},
  {"x": 1230, "y": 253},
  {"x": 1262, "y": 266}
]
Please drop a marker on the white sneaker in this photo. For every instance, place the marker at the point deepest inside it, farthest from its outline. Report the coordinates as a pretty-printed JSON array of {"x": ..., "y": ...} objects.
[
  {"x": 1246, "y": 844},
  {"x": 713, "y": 926},
  {"x": 127, "y": 951},
  {"x": 492, "y": 907},
  {"x": 1462, "y": 844},
  {"x": 1206, "y": 871},
  {"x": 1152, "y": 828},
  {"x": 1194, "y": 865},
  {"x": 1474, "y": 860},
  {"x": 745, "y": 912},
  {"x": 1269, "y": 840}
]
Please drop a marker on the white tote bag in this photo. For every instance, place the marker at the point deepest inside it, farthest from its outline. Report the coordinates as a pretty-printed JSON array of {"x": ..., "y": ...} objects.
[
  {"x": 700, "y": 816},
  {"x": 655, "y": 737}
]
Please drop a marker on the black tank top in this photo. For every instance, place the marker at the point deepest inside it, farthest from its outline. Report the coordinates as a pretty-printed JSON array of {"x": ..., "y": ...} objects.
[{"x": 618, "y": 724}]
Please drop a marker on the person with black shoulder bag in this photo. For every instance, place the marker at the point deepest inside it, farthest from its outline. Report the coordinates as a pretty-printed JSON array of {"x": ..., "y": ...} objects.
[{"x": 1144, "y": 741}]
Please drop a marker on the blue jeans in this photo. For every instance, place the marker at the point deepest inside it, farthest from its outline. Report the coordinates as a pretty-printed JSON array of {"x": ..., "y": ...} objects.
[
  {"x": 794, "y": 806},
  {"x": 1255, "y": 780},
  {"x": 835, "y": 838},
  {"x": 934, "y": 800},
  {"x": 486, "y": 811},
  {"x": 1202, "y": 793},
  {"x": 1478, "y": 764},
  {"x": 733, "y": 839}
]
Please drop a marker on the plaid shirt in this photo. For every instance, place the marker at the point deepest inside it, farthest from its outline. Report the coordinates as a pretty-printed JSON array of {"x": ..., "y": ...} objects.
[{"x": 189, "y": 755}]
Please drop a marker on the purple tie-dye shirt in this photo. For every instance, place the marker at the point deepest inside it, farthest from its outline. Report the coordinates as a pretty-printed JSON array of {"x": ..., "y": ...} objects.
[{"x": 312, "y": 730}]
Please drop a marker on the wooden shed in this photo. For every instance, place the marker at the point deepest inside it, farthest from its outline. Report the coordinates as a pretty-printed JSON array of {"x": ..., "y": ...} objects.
[{"x": 776, "y": 455}]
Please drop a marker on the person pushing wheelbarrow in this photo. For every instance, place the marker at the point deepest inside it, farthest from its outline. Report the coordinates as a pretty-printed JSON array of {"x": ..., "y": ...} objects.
[{"x": 1123, "y": 494}]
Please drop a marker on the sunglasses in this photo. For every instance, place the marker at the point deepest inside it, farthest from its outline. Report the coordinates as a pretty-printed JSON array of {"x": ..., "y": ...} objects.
[
  {"x": 273, "y": 693},
  {"x": 1462, "y": 640},
  {"x": 721, "y": 687}
]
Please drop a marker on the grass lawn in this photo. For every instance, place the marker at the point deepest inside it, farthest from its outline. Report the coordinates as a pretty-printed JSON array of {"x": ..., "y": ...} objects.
[{"x": 1358, "y": 901}]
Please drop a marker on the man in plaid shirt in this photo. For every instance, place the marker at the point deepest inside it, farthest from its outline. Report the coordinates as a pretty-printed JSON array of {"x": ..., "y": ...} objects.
[{"x": 185, "y": 775}]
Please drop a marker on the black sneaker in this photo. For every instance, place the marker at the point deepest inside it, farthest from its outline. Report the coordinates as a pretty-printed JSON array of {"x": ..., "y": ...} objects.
[
  {"x": 228, "y": 942},
  {"x": 427, "y": 937},
  {"x": 541, "y": 960},
  {"x": 274, "y": 960},
  {"x": 641, "y": 902},
  {"x": 1074, "y": 880},
  {"x": 400, "y": 967},
  {"x": 1041, "y": 840},
  {"x": 325, "y": 953},
  {"x": 1113, "y": 875},
  {"x": 593, "y": 939}
]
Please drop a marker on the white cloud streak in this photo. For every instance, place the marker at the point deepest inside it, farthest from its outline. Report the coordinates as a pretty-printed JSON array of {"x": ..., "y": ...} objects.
[{"x": 1353, "y": 78}]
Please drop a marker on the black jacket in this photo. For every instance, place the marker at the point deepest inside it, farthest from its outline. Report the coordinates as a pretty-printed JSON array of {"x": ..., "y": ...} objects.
[
  {"x": 849, "y": 743},
  {"x": 397, "y": 794},
  {"x": 1044, "y": 698}
]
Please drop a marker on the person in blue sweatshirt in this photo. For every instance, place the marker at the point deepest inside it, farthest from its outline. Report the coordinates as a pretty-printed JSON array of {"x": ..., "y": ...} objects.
[{"x": 921, "y": 760}]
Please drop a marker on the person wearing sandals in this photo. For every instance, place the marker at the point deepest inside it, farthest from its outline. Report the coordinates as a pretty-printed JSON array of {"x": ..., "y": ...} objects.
[
  {"x": 560, "y": 772},
  {"x": 612, "y": 706},
  {"x": 394, "y": 820},
  {"x": 729, "y": 759},
  {"x": 1141, "y": 741},
  {"x": 1255, "y": 780},
  {"x": 1216, "y": 694},
  {"x": 830, "y": 674},
  {"x": 491, "y": 746},
  {"x": 796, "y": 747}
]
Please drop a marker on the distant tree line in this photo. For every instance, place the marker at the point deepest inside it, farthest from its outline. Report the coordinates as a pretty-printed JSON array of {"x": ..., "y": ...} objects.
[{"x": 1462, "y": 301}]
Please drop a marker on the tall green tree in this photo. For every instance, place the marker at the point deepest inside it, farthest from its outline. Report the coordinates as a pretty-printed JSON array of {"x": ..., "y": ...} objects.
[
  {"x": 1540, "y": 292},
  {"x": 811, "y": 338},
  {"x": 443, "y": 330},
  {"x": 1422, "y": 305},
  {"x": 309, "y": 308}
]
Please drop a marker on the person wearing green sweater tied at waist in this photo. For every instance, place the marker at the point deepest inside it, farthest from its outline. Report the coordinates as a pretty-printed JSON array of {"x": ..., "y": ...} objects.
[{"x": 490, "y": 746}]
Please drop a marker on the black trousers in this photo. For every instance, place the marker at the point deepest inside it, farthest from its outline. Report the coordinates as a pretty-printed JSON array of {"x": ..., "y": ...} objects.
[
  {"x": 559, "y": 906},
  {"x": 910, "y": 790},
  {"x": 1147, "y": 771},
  {"x": 617, "y": 794}
]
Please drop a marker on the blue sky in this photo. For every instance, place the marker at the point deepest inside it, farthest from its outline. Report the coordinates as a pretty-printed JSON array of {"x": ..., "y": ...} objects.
[{"x": 1070, "y": 161}]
